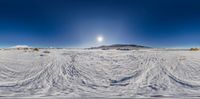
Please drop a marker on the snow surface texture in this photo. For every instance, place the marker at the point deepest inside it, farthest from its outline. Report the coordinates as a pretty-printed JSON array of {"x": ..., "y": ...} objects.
[{"x": 98, "y": 73}]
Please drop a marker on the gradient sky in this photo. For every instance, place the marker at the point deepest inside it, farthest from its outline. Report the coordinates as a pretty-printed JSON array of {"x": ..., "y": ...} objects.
[{"x": 77, "y": 23}]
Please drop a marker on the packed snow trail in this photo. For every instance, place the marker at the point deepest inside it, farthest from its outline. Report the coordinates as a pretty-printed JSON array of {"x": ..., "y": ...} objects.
[{"x": 99, "y": 73}]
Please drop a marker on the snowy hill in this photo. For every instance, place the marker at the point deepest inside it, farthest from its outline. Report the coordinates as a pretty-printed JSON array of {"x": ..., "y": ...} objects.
[
  {"x": 121, "y": 47},
  {"x": 99, "y": 73},
  {"x": 21, "y": 46}
]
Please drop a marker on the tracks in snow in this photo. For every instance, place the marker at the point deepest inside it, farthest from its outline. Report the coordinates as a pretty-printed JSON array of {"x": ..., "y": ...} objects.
[{"x": 105, "y": 73}]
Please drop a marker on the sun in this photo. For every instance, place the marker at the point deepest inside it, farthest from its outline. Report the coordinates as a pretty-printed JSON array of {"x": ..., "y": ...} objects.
[{"x": 100, "y": 39}]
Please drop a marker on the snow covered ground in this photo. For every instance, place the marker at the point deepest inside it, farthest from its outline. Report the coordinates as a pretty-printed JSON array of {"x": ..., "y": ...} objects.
[{"x": 99, "y": 73}]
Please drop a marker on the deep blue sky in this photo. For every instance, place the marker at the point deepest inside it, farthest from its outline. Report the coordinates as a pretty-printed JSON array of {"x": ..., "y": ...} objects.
[{"x": 77, "y": 23}]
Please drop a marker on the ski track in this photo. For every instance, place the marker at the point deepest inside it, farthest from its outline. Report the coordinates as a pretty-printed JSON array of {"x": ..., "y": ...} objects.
[{"x": 98, "y": 73}]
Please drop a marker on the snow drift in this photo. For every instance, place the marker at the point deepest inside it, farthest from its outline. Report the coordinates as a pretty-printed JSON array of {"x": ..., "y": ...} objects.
[{"x": 98, "y": 73}]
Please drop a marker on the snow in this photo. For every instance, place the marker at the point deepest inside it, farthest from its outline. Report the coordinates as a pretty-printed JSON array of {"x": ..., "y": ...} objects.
[
  {"x": 99, "y": 73},
  {"x": 21, "y": 46}
]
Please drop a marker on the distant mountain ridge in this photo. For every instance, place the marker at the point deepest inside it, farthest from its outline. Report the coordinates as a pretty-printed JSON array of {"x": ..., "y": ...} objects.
[
  {"x": 120, "y": 47},
  {"x": 20, "y": 46}
]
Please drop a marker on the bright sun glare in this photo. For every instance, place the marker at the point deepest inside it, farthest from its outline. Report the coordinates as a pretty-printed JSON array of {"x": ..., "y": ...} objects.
[{"x": 100, "y": 39}]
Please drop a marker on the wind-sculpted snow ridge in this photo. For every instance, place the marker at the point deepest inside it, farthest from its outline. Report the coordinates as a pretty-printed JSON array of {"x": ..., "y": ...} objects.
[{"x": 99, "y": 73}]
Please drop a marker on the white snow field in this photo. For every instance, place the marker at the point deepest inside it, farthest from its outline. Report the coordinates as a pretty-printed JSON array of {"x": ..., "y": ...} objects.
[{"x": 99, "y": 73}]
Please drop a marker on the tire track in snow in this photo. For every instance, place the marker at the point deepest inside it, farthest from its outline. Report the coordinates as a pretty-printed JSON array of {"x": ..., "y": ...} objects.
[{"x": 107, "y": 73}]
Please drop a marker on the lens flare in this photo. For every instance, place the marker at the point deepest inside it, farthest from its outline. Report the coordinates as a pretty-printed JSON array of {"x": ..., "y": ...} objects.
[{"x": 100, "y": 39}]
